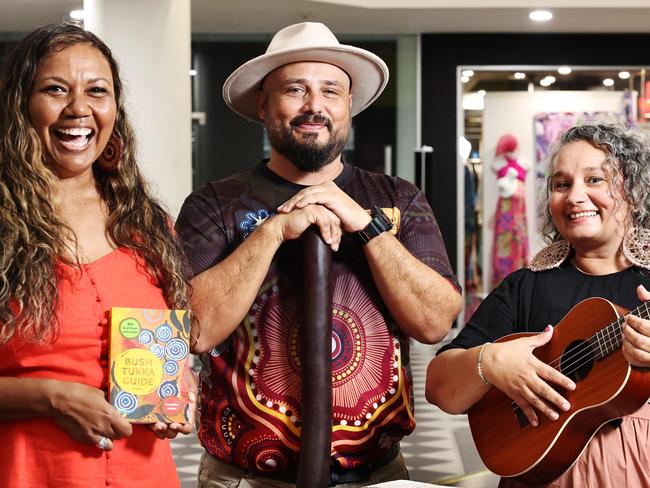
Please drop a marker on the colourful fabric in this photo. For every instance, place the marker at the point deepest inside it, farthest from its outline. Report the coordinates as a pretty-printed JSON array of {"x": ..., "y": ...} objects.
[
  {"x": 37, "y": 453},
  {"x": 512, "y": 163},
  {"x": 510, "y": 243},
  {"x": 251, "y": 389}
]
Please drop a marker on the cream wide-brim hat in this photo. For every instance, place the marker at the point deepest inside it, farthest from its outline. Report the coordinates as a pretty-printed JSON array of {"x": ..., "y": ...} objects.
[{"x": 308, "y": 41}]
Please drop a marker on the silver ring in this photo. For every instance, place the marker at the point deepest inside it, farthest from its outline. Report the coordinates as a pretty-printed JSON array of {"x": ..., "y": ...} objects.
[{"x": 103, "y": 443}]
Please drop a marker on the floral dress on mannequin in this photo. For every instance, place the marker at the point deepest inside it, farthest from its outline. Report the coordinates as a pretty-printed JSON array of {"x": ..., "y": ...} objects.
[{"x": 510, "y": 244}]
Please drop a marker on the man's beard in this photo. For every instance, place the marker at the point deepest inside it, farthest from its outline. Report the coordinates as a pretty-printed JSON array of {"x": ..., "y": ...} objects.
[{"x": 308, "y": 156}]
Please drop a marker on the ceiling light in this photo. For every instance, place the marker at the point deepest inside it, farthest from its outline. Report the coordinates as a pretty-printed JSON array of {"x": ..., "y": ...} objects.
[
  {"x": 467, "y": 72},
  {"x": 540, "y": 15},
  {"x": 193, "y": 72},
  {"x": 464, "y": 79},
  {"x": 77, "y": 14},
  {"x": 481, "y": 93},
  {"x": 564, "y": 70},
  {"x": 547, "y": 81},
  {"x": 624, "y": 75},
  {"x": 608, "y": 82},
  {"x": 519, "y": 75}
]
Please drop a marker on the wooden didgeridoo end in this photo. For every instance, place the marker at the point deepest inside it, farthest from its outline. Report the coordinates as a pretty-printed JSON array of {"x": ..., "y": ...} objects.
[{"x": 316, "y": 363}]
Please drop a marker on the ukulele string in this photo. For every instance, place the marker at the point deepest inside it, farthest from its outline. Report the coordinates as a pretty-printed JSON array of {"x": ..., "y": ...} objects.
[
  {"x": 580, "y": 356},
  {"x": 615, "y": 340},
  {"x": 577, "y": 359},
  {"x": 606, "y": 341},
  {"x": 611, "y": 339},
  {"x": 584, "y": 355}
]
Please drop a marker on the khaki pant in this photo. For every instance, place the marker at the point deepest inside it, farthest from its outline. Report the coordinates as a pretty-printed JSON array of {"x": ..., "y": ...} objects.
[{"x": 214, "y": 473}]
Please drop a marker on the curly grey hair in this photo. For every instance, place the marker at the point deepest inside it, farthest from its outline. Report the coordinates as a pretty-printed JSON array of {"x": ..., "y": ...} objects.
[{"x": 627, "y": 154}]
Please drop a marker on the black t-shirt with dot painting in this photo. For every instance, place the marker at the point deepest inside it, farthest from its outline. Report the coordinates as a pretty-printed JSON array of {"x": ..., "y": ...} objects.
[{"x": 251, "y": 389}]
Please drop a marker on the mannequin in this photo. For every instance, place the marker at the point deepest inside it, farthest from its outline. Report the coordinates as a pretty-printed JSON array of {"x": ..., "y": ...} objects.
[{"x": 510, "y": 245}]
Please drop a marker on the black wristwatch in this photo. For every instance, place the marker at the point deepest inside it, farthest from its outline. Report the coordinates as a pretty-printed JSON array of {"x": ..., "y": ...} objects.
[{"x": 379, "y": 223}]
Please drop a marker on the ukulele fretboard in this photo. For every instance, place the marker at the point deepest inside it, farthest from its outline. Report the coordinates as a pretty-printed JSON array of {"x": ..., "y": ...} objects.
[{"x": 610, "y": 338}]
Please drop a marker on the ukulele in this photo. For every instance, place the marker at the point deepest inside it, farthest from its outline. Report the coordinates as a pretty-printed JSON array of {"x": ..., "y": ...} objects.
[{"x": 586, "y": 347}]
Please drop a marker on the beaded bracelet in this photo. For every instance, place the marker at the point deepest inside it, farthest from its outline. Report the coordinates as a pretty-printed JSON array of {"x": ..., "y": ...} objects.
[{"x": 478, "y": 364}]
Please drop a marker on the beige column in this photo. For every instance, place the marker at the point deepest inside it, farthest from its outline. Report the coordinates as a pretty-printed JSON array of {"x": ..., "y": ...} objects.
[{"x": 151, "y": 41}]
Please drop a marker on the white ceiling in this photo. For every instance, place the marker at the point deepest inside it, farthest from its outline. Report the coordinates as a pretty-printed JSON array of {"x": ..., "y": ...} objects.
[{"x": 372, "y": 16}]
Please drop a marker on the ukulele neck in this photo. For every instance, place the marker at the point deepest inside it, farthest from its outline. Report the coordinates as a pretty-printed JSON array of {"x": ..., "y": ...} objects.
[{"x": 610, "y": 338}]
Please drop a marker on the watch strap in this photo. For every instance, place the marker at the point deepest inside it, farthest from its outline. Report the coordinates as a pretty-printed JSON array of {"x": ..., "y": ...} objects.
[{"x": 380, "y": 223}]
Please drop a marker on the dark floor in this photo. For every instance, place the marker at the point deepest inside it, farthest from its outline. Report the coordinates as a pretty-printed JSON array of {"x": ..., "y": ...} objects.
[{"x": 440, "y": 451}]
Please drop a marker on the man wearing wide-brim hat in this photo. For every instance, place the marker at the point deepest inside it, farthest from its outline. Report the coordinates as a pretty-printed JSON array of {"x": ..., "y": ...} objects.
[{"x": 391, "y": 275}]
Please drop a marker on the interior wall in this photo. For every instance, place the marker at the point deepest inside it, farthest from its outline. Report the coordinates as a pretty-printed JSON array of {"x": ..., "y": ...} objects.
[
  {"x": 408, "y": 105},
  {"x": 156, "y": 85},
  {"x": 376, "y": 127},
  {"x": 443, "y": 53},
  {"x": 5, "y": 48},
  {"x": 512, "y": 113},
  {"x": 227, "y": 143}
]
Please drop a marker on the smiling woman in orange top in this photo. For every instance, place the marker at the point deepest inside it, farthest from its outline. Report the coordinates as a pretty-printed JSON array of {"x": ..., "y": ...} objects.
[{"x": 80, "y": 234}]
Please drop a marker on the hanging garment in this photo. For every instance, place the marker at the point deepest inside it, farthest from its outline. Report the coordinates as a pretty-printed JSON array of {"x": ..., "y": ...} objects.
[{"x": 510, "y": 244}]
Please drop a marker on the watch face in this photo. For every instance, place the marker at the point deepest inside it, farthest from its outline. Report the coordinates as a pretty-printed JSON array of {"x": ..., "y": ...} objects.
[{"x": 381, "y": 218}]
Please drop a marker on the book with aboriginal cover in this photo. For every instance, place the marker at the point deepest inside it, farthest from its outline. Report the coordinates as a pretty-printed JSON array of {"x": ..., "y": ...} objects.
[{"x": 149, "y": 364}]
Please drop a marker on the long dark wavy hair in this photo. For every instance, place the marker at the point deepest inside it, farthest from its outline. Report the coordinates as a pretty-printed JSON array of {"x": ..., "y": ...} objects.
[{"x": 33, "y": 235}]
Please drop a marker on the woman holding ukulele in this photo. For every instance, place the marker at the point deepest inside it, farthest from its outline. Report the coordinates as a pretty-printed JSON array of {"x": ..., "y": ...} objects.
[{"x": 598, "y": 226}]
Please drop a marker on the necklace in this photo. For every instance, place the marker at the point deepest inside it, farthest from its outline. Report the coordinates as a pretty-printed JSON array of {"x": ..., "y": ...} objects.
[{"x": 575, "y": 265}]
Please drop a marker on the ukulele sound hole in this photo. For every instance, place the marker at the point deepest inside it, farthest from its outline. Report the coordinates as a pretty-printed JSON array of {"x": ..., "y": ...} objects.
[{"x": 577, "y": 360}]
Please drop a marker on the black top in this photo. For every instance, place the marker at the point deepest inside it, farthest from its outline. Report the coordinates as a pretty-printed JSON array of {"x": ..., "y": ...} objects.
[{"x": 528, "y": 301}]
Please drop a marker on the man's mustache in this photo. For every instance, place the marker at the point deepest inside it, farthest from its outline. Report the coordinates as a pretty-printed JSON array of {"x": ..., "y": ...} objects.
[{"x": 312, "y": 119}]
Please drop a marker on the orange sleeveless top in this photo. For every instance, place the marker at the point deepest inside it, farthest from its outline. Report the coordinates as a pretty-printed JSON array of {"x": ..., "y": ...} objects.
[{"x": 36, "y": 452}]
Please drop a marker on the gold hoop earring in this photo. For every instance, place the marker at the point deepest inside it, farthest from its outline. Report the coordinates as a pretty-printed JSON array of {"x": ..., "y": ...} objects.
[{"x": 551, "y": 256}]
